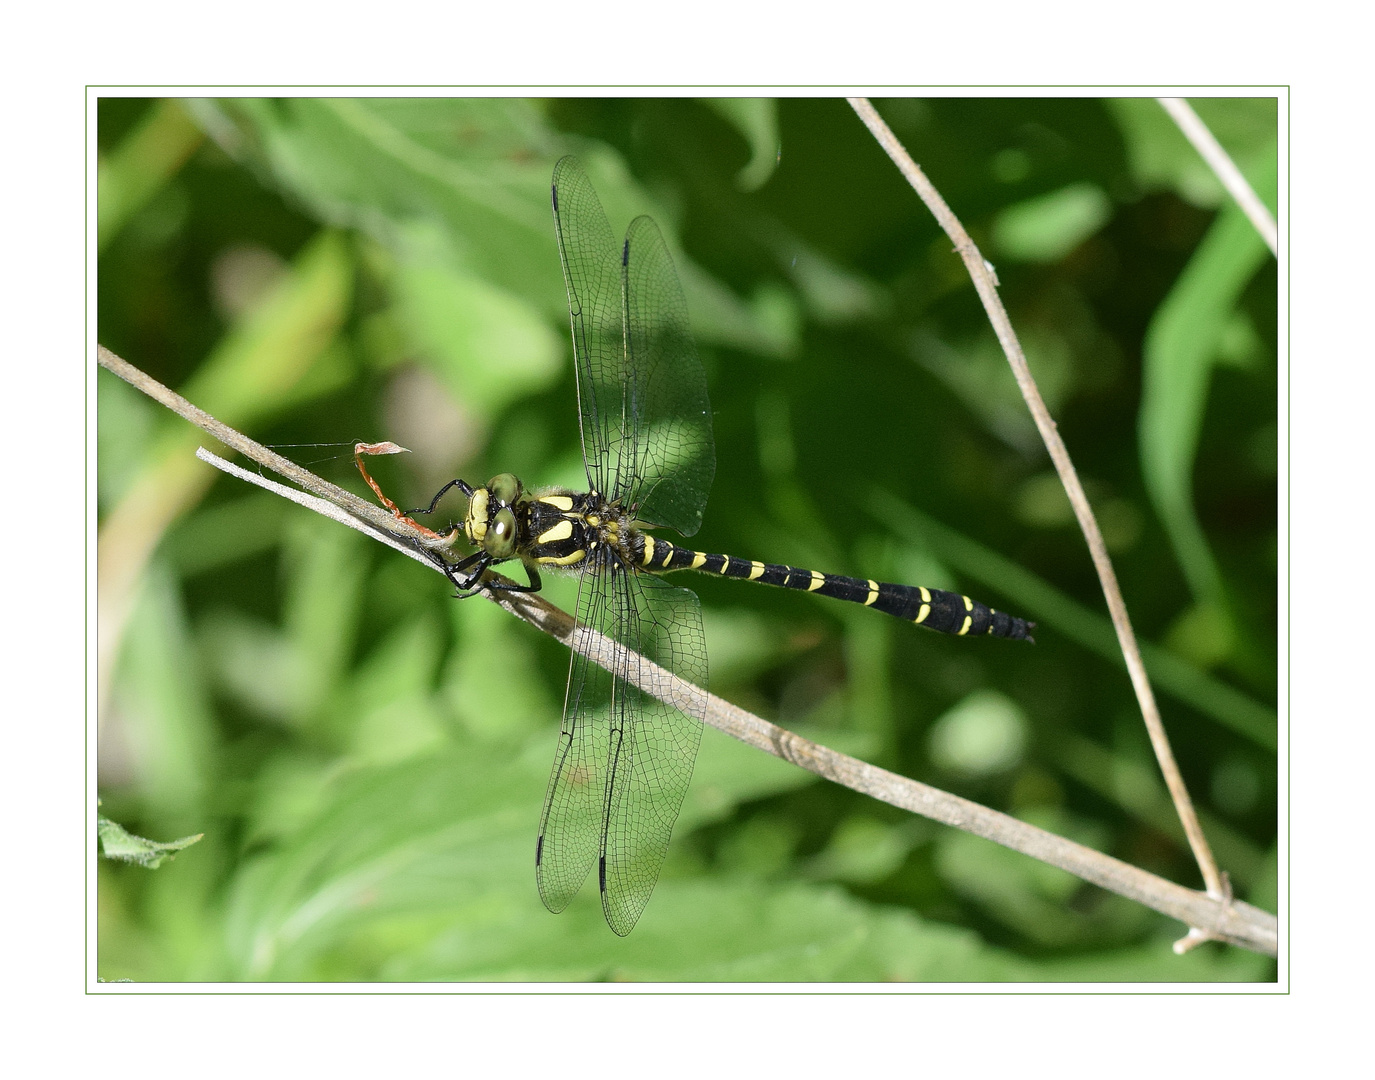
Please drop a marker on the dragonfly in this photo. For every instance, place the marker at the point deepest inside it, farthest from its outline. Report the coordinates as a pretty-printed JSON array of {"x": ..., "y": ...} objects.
[{"x": 625, "y": 755}]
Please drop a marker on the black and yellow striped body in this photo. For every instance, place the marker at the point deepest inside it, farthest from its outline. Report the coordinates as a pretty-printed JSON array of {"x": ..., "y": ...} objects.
[
  {"x": 558, "y": 529},
  {"x": 936, "y": 609}
]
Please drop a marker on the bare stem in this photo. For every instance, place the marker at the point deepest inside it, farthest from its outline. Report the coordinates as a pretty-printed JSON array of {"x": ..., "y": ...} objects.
[
  {"x": 984, "y": 281},
  {"x": 1235, "y": 922},
  {"x": 359, "y": 508},
  {"x": 1224, "y": 168}
]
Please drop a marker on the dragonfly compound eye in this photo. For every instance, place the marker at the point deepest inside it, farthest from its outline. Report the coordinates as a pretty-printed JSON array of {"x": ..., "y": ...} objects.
[
  {"x": 505, "y": 487},
  {"x": 500, "y": 541}
]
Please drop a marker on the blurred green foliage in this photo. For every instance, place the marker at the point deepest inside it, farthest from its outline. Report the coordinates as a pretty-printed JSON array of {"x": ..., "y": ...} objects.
[
  {"x": 367, "y": 757},
  {"x": 117, "y": 842}
]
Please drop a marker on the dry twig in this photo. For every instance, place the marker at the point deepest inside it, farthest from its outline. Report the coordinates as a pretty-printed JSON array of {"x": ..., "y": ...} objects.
[
  {"x": 1235, "y": 922},
  {"x": 986, "y": 285},
  {"x": 1224, "y": 168}
]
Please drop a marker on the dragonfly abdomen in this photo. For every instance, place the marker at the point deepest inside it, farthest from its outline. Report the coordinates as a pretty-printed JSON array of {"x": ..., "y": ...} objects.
[{"x": 936, "y": 609}]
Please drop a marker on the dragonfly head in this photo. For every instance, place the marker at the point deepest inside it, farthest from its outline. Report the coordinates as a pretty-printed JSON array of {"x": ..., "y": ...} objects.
[{"x": 491, "y": 521}]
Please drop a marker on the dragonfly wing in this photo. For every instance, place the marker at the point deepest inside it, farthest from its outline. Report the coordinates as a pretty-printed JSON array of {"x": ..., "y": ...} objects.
[
  {"x": 642, "y": 393},
  {"x": 652, "y": 745},
  {"x": 675, "y": 456},
  {"x": 625, "y": 757},
  {"x": 574, "y": 816},
  {"x": 591, "y": 259}
]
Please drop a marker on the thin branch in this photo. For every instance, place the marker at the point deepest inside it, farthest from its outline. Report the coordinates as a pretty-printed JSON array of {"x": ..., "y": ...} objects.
[
  {"x": 1224, "y": 168},
  {"x": 389, "y": 533},
  {"x": 346, "y": 500},
  {"x": 1235, "y": 922},
  {"x": 133, "y": 528},
  {"x": 984, "y": 281}
]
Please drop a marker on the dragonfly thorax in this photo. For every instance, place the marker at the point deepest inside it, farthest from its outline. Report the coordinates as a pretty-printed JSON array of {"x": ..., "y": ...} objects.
[{"x": 553, "y": 527}]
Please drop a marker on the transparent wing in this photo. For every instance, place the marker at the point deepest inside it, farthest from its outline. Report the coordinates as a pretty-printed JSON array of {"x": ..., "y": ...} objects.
[
  {"x": 675, "y": 452},
  {"x": 625, "y": 757},
  {"x": 642, "y": 395},
  {"x": 592, "y": 275},
  {"x": 652, "y": 746},
  {"x": 572, "y": 823}
]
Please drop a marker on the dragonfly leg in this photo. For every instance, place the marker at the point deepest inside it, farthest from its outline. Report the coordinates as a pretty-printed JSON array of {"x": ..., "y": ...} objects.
[
  {"x": 463, "y": 487},
  {"x": 530, "y": 572},
  {"x": 465, "y": 575}
]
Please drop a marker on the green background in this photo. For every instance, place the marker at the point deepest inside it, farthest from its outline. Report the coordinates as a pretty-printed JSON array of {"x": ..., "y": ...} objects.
[{"x": 367, "y": 757}]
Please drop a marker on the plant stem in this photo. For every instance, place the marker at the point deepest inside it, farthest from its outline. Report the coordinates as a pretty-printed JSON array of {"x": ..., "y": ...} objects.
[
  {"x": 986, "y": 285},
  {"x": 1223, "y": 920}
]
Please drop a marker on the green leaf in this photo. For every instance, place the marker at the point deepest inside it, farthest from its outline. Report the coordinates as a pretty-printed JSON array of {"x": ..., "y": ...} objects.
[
  {"x": 1160, "y": 156},
  {"x": 162, "y": 712},
  {"x": 1181, "y": 347},
  {"x": 1138, "y": 788},
  {"x": 491, "y": 346},
  {"x": 866, "y": 850},
  {"x": 1049, "y": 227},
  {"x": 1156, "y": 962},
  {"x": 716, "y": 931},
  {"x": 977, "y": 373},
  {"x": 142, "y": 164},
  {"x": 424, "y": 871},
  {"x": 462, "y": 184},
  {"x": 756, "y": 119},
  {"x": 325, "y": 570},
  {"x": 729, "y": 772},
  {"x": 129, "y": 420},
  {"x": 116, "y": 842},
  {"x": 253, "y": 372},
  {"x": 399, "y": 851},
  {"x": 985, "y": 733},
  {"x": 254, "y": 368},
  {"x": 1033, "y": 897},
  {"x": 390, "y": 702}
]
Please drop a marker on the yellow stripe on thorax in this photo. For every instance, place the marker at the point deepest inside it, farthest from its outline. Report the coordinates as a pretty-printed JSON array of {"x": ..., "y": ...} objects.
[
  {"x": 563, "y": 560},
  {"x": 560, "y": 530}
]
